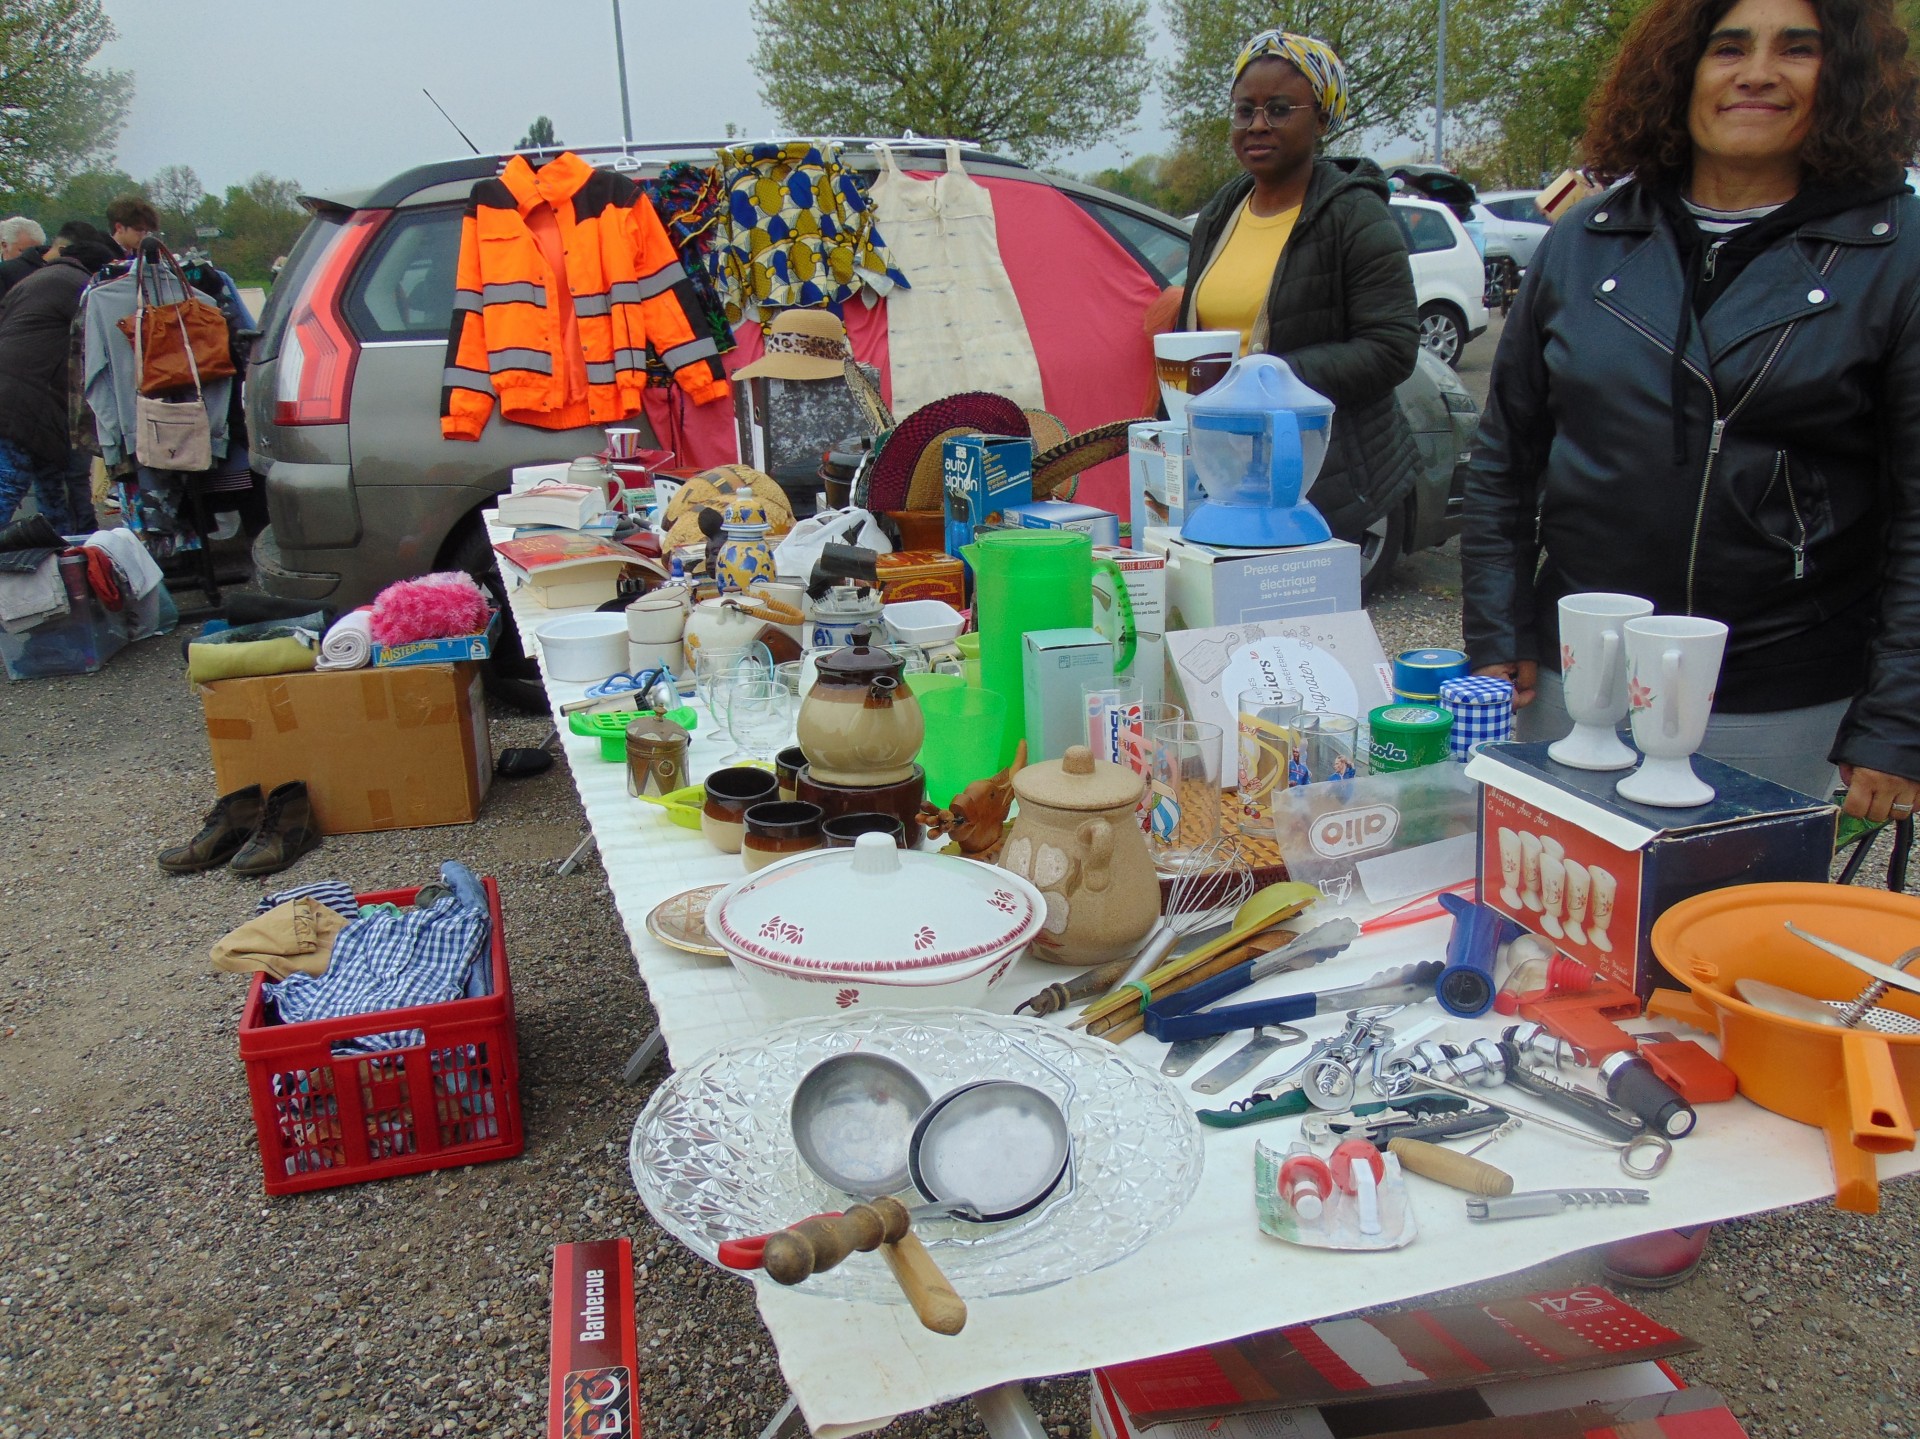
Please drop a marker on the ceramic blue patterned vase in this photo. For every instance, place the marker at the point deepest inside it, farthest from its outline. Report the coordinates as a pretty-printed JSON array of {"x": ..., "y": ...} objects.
[{"x": 745, "y": 558}]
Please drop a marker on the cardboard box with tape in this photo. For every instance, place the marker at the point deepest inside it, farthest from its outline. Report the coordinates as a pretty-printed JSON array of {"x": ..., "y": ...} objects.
[{"x": 378, "y": 748}]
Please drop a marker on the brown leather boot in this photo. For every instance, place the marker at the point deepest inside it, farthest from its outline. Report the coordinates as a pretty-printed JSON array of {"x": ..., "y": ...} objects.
[
  {"x": 286, "y": 832},
  {"x": 230, "y": 824}
]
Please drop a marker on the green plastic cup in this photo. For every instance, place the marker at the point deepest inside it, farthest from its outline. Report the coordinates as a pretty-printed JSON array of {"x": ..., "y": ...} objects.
[
  {"x": 965, "y": 730},
  {"x": 926, "y": 684}
]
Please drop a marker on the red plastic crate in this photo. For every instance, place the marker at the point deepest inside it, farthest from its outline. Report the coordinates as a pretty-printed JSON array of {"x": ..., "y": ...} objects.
[{"x": 325, "y": 1119}]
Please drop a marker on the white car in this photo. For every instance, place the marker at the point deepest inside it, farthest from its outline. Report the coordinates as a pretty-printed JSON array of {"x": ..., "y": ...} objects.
[
  {"x": 1449, "y": 278},
  {"x": 1515, "y": 218}
]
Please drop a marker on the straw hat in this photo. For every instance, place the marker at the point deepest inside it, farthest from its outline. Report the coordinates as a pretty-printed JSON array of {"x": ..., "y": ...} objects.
[
  {"x": 1056, "y": 474},
  {"x": 714, "y": 489},
  {"x": 802, "y": 345},
  {"x": 906, "y": 460}
]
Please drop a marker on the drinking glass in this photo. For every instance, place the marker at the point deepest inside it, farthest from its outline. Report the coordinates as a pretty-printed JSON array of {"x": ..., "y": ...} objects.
[
  {"x": 1327, "y": 748},
  {"x": 789, "y": 675},
  {"x": 715, "y": 671},
  {"x": 1113, "y": 721},
  {"x": 1267, "y": 733},
  {"x": 1186, "y": 791},
  {"x": 1140, "y": 757},
  {"x": 759, "y": 718}
]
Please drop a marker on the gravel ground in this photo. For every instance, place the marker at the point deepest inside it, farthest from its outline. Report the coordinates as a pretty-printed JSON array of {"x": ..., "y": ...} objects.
[{"x": 148, "y": 1287}]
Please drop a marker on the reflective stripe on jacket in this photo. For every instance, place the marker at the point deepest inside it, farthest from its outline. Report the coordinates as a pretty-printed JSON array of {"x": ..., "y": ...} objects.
[{"x": 568, "y": 348}]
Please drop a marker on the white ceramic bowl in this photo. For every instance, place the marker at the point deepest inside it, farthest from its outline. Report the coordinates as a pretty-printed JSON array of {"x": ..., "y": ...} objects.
[
  {"x": 874, "y": 925},
  {"x": 923, "y": 622},
  {"x": 584, "y": 649}
]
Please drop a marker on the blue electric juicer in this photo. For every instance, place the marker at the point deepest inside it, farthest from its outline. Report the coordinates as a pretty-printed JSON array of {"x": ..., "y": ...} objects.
[{"x": 1258, "y": 439}]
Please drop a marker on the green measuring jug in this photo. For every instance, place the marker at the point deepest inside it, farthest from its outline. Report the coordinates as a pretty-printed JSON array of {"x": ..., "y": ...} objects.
[{"x": 1033, "y": 580}]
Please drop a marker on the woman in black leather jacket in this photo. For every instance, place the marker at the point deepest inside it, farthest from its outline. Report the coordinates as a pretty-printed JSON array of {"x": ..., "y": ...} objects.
[{"x": 1709, "y": 390}]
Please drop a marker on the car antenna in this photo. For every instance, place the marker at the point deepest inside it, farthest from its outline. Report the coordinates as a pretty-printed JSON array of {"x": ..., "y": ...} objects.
[{"x": 449, "y": 119}]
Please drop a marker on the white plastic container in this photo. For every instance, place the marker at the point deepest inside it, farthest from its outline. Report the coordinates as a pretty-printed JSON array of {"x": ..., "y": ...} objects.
[
  {"x": 923, "y": 622},
  {"x": 584, "y": 649}
]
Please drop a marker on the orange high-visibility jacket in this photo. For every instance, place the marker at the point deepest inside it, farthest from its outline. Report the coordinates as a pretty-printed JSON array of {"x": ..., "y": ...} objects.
[{"x": 566, "y": 280}]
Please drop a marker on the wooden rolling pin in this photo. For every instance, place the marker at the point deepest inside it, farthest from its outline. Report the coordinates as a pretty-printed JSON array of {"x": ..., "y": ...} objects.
[
  {"x": 815, "y": 1245},
  {"x": 1444, "y": 1166}
]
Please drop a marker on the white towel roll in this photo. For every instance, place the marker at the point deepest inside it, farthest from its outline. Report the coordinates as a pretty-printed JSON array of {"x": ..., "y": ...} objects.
[{"x": 349, "y": 644}]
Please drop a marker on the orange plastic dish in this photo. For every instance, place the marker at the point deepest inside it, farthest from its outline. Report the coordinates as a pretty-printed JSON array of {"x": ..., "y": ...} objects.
[{"x": 1860, "y": 1086}]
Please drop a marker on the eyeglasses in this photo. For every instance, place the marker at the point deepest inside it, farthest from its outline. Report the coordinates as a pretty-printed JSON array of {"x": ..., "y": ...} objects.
[{"x": 1240, "y": 116}]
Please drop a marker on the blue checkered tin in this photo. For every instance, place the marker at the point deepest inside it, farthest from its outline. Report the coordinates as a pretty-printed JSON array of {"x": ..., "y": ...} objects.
[{"x": 1482, "y": 710}]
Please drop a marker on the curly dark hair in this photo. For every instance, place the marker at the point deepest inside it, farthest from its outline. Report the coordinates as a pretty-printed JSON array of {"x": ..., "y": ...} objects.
[{"x": 1866, "y": 110}]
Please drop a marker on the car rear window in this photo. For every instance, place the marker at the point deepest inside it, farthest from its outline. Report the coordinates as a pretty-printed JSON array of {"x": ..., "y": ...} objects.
[
  {"x": 1521, "y": 207},
  {"x": 1160, "y": 246},
  {"x": 314, "y": 242},
  {"x": 1425, "y": 230},
  {"x": 403, "y": 289}
]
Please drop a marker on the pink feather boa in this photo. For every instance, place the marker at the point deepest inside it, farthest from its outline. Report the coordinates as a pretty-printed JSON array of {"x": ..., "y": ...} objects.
[{"x": 432, "y": 607}]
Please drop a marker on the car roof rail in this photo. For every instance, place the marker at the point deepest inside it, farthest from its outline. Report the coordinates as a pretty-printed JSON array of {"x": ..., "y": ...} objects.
[{"x": 907, "y": 140}]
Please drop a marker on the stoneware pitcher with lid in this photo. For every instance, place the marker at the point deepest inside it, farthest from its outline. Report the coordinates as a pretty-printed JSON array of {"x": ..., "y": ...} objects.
[
  {"x": 859, "y": 724},
  {"x": 1076, "y": 839}
]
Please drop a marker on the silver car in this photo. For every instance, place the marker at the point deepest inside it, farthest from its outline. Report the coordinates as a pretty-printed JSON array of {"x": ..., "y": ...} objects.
[{"x": 343, "y": 393}]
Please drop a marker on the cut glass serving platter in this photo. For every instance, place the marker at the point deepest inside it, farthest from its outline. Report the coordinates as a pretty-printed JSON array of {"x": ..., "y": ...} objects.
[{"x": 712, "y": 1154}]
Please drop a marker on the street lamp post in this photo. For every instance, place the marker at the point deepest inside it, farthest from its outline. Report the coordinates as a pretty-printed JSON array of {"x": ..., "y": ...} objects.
[
  {"x": 620, "y": 55},
  {"x": 1439, "y": 87}
]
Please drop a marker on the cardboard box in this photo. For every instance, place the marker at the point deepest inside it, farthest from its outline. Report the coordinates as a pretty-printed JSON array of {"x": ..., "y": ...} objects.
[
  {"x": 982, "y": 475},
  {"x": 922, "y": 575},
  {"x": 439, "y": 652},
  {"x": 1145, "y": 576},
  {"x": 1753, "y": 832},
  {"x": 1157, "y": 477},
  {"x": 1398, "y": 1373},
  {"x": 1334, "y": 661},
  {"x": 593, "y": 1360},
  {"x": 1100, "y": 526},
  {"x": 378, "y": 748},
  {"x": 1056, "y": 665},
  {"x": 1208, "y": 585}
]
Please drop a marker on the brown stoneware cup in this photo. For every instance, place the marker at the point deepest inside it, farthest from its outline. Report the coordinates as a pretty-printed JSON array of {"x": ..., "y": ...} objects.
[
  {"x": 731, "y": 793},
  {"x": 776, "y": 830}
]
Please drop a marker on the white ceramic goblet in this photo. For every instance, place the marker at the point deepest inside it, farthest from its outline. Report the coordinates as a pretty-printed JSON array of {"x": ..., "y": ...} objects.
[
  {"x": 1593, "y": 678},
  {"x": 1673, "y": 664},
  {"x": 1553, "y": 894},
  {"x": 1530, "y": 869},
  {"x": 1579, "y": 887},
  {"x": 1509, "y": 868},
  {"x": 1604, "y": 888}
]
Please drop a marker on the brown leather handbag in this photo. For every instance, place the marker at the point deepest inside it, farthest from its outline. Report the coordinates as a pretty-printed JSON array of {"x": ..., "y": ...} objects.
[{"x": 162, "y": 333}]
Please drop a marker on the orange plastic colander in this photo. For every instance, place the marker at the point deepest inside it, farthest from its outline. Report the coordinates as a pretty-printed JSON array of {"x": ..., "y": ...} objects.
[{"x": 1861, "y": 1085}]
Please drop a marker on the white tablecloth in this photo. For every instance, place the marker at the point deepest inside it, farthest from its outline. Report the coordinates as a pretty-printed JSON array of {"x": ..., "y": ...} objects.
[{"x": 1212, "y": 1276}]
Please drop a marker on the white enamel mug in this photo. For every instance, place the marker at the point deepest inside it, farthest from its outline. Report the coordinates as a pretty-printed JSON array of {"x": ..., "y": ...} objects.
[{"x": 1673, "y": 667}]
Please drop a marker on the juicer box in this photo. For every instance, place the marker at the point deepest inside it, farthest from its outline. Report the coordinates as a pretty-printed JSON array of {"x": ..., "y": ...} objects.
[
  {"x": 1334, "y": 662},
  {"x": 981, "y": 475},
  {"x": 1563, "y": 855},
  {"x": 1157, "y": 477},
  {"x": 1211, "y": 585},
  {"x": 1100, "y": 526},
  {"x": 1145, "y": 576}
]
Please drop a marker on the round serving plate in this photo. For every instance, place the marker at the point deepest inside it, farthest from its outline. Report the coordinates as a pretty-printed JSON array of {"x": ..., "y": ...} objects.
[
  {"x": 713, "y": 1156},
  {"x": 681, "y": 922}
]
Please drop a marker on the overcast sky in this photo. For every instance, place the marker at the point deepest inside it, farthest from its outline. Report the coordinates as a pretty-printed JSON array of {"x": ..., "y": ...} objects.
[{"x": 327, "y": 92}]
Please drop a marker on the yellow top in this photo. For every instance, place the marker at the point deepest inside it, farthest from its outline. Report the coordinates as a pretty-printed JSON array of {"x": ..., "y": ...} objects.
[{"x": 1234, "y": 289}]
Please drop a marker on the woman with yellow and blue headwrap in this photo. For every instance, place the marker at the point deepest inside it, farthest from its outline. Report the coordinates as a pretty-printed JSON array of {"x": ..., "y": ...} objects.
[{"x": 1301, "y": 256}]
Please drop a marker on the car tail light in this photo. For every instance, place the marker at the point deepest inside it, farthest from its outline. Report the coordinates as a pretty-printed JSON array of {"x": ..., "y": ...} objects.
[{"x": 314, "y": 379}]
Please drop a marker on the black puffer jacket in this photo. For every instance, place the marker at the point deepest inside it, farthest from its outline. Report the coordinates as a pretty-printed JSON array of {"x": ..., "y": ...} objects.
[
  {"x": 1342, "y": 314},
  {"x": 1795, "y": 517},
  {"x": 33, "y": 357}
]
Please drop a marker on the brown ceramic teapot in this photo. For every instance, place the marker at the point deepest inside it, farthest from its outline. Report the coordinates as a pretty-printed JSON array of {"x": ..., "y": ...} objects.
[
  {"x": 1076, "y": 839},
  {"x": 859, "y": 723}
]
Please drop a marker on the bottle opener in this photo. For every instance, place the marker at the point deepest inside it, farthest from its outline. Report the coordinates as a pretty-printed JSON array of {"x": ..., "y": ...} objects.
[
  {"x": 1185, "y": 1053},
  {"x": 1266, "y": 1039}
]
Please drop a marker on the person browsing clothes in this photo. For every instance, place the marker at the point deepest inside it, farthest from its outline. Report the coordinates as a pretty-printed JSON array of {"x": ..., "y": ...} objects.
[{"x": 1302, "y": 256}]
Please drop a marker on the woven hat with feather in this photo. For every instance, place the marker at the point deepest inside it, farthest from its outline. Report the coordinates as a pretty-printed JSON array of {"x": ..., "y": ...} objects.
[
  {"x": 713, "y": 489},
  {"x": 1056, "y": 473}
]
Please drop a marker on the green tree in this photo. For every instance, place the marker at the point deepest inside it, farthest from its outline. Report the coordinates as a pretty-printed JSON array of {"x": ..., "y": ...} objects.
[
  {"x": 176, "y": 193},
  {"x": 1387, "y": 45},
  {"x": 81, "y": 196},
  {"x": 259, "y": 222},
  {"x": 1527, "y": 104},
  {"x": 57, "y": 112},
  {"x": 1032, "y": 77},
  {"x": 539, "y": 135}
]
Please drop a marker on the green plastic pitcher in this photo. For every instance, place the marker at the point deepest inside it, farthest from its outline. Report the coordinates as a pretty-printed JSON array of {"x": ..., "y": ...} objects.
[{"x": 1032, "y": 580}]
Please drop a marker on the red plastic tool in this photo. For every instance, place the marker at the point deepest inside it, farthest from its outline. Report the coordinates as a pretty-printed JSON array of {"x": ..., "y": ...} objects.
[
  {"x": 1585, "y": 1020},
  {"x": 747, "y": 1253},
  {"x": 1695, "y": 1075}
]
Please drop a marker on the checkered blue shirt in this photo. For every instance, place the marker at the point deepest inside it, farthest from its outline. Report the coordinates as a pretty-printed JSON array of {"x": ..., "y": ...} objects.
[
  {"x": 1482, "y": 710},
  {"x": 383, "y": 961}
]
